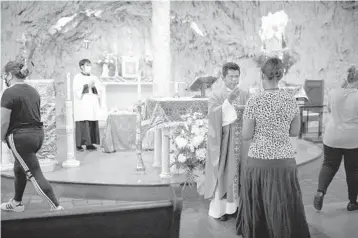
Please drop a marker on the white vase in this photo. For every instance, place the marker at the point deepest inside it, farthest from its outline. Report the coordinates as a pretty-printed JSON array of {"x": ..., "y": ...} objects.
[{"x": 105, "y": 71}]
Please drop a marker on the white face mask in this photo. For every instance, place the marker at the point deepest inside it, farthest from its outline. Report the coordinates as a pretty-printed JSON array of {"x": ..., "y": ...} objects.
[{"x": 7, "y": 80}]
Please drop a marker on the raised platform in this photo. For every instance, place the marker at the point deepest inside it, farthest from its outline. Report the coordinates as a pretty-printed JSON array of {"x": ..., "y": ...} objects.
[{"x": 113, "y": 176}]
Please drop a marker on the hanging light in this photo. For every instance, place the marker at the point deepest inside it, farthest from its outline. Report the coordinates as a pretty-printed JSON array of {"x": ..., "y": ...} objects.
[{"x": 86, "y": 43}]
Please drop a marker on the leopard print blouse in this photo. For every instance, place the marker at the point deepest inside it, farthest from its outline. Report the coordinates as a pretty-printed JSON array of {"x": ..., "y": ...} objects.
[{"x": 273, "y": 112}]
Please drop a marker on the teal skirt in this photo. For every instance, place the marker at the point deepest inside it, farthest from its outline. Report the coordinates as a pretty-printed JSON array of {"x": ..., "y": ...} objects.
[{"x": 271, "y": 203}]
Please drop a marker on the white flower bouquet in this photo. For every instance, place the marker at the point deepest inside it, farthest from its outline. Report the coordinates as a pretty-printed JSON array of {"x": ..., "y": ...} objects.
[
  {"x": 190, "y": 148},
  {"x": 107, "y": 58}
]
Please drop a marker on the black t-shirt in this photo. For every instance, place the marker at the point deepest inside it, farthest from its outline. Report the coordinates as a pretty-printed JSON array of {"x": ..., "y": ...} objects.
[{"x": 24, "y": 102}]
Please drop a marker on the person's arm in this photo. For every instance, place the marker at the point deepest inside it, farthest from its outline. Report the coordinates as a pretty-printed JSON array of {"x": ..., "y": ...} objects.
[
  {"x": 78, "y": 87},
  {"x": 245, "y": 95},
  {"x": 5, "y": 122},
  {"x": 296, "y": 122},
  {"x": 98, "y": 86},
  {"x": 7, "y": 102},
  {"x": 295, "y": 126},
  {"x": 248, "y": 126}
]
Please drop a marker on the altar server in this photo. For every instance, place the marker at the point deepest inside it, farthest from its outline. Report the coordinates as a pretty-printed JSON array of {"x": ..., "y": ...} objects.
[
  {"x": 22, "y": 130},
  {"x": 226, "y": 106},
  {"x": 87, "y": 95}
]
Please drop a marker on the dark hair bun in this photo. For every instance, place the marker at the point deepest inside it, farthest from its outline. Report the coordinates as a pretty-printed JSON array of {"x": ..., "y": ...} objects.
[
  {"x": 273, "y": 68},
  {"x": 352, "y": 74},
  {"x": 24, "y": 72},
  {"x": 352, "y": 69},
  {"x": 17, "y": 69}
]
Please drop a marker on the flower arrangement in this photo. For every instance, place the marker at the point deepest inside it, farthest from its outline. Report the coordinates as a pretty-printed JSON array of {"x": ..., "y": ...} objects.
[
  {"x": 190, "y": 143},
  {"x": 107, "y": 58},
  {"x": 272, "y": 34}
]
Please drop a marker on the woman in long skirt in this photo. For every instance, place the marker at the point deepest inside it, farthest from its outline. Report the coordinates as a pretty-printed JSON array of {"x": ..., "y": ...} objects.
[{"x": 270, "y": 197}]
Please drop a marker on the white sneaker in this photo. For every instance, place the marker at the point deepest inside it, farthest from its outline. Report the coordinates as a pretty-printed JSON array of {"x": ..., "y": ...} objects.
[
  {"x": 11, "y": 206},
  {"x": 59, "y": 208}
]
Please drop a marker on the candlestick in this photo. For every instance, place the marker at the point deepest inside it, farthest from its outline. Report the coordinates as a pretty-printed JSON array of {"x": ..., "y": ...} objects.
[
  {"x": 68, "y": 87},
  {"x": 139, "y": 85},
  {"x": 176, "y": 86},
  {"x": 116, "y": 74}
]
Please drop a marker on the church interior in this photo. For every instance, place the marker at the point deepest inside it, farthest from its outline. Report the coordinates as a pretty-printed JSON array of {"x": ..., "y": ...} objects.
[{"x": 158, "y": 62}]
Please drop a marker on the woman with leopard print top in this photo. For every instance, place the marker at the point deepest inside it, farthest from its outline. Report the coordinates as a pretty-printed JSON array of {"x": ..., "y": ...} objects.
[{"x": 271, "y": 202}]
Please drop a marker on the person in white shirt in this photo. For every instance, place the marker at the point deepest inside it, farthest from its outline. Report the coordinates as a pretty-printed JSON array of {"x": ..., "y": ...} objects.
[{"x": 86, "y": 102}]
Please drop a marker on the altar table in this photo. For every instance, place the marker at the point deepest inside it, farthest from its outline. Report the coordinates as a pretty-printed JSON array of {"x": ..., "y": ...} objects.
[
  {"x": 120, "y": 133},
  {"x": 166, "y": 112},
  {"x": 163, "y": 113}
]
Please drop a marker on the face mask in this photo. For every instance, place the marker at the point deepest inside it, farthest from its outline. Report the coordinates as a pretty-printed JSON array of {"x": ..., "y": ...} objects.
[{"x": 7, "y": 81}]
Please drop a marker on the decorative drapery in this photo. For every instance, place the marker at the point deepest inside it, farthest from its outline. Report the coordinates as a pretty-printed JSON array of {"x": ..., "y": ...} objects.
[
  {"x": 167, "y": 112},
  {"x": 120, "y": 133}
]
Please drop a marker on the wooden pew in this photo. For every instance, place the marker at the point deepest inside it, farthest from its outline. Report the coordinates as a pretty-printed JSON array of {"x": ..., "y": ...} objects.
[{"x": 158, "y": 219}]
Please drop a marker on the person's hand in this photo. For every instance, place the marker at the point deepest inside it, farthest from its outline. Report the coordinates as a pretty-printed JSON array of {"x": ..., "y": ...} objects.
[
  {"x": 91, "y": 83},
  {"x": 233, "y": 95},
  {"x": 241, "y": 107}
]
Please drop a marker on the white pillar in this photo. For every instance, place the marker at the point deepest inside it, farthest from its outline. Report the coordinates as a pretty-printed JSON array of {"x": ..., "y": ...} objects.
[
  {"x": 157, "y": 148},
  {"x": 161, "y": 75},
  {"x": 71, "y": 161},
  {"x": 161, "y": 48},
  {"x": 5, "y": 153},
  {"x": 6, "y": 156},
  {"x": 165, "y": 154}
]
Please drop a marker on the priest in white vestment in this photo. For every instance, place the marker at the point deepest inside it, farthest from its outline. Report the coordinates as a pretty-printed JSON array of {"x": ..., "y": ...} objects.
[
  {"x": 87, "y": 110},
  {"x": 226, "y": 106}
]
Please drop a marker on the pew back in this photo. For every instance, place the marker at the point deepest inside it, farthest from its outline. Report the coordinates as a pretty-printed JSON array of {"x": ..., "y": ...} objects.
[{"x": 159, "y": 219}]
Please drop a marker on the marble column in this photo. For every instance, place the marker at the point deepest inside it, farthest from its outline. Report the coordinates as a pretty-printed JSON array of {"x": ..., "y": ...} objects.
[
  {"x": 157, "y": 148},
  {"x": 71, "y": 161},
  {"x": 161, "y": 48},
  {"x": 161, "y": 75},
  {"x": 165, "y": 154}
]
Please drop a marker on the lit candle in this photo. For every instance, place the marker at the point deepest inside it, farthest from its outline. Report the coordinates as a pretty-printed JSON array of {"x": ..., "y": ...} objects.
[
  {"x": 139, "y": 86},
  {"x": 68, "y": 87},
  {"x": 176, "y": 86}
]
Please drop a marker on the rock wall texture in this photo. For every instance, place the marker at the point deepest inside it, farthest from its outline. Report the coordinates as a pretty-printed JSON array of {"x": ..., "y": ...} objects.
[
  {"x": 46, "y": 89},
  {"x": 204, "y": 35},
  {"x": 322, "y": 33}
]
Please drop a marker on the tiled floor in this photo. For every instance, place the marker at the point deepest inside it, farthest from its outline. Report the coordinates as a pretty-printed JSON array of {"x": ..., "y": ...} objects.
[{"x": 333, "y": 222}]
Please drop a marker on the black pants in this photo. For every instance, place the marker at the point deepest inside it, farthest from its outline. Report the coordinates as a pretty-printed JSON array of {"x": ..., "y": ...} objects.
[
  {"x": 87, "y": 133},
  {"x": 331, "y": 163},
  {"x": 24, "y": 144}
]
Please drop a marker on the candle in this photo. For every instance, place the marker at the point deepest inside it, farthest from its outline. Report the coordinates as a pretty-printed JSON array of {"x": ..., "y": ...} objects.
[
  {"x": 68, "y": 87},
  {"x": 176, "y": 86},
  {"x": 139, "y": 86}
]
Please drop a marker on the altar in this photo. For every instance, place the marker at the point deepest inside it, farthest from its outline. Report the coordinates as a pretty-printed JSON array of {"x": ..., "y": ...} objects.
[{"x": 162, "y": 114}]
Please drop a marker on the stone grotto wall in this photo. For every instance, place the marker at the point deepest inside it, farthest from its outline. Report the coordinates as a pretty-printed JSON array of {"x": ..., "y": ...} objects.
[{"x": 204, "y": 35}]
